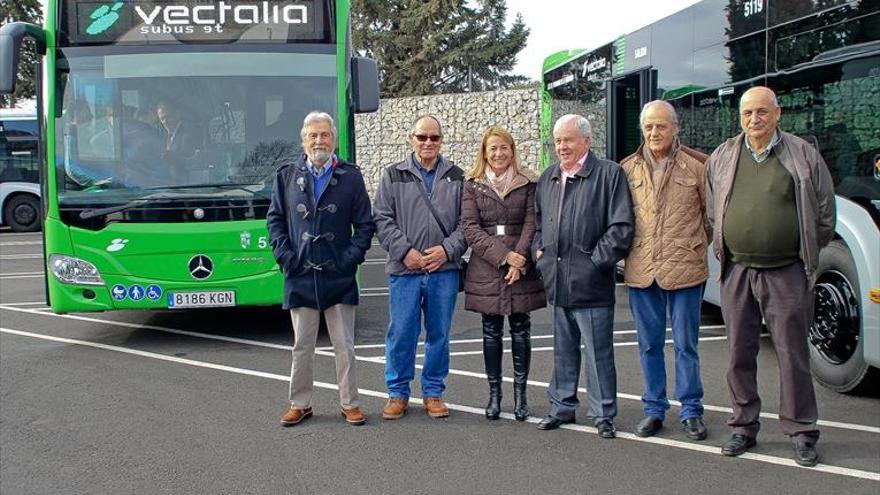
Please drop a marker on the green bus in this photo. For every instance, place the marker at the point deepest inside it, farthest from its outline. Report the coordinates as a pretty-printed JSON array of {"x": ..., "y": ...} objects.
[
  {"x": 822, "y": 58},
  {"x": 163, "y": 123}
]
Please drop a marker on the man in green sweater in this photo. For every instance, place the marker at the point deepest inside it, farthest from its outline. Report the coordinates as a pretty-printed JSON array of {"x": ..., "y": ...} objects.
[{"x": 770, "y": 201}]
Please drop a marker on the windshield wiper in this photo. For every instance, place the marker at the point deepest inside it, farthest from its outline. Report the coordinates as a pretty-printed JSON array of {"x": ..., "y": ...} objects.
[
  {"x": 98, "y": 212},
  {"x": 218, "y": 185}
]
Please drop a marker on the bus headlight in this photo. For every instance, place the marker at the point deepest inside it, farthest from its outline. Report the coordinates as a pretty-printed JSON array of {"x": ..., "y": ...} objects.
[{"x": 71, "y": 270}]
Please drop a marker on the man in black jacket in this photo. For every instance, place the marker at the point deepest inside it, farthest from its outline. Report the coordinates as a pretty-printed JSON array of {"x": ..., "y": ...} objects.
[
  {"x": 320, "y": 227},
  {"x": 584, "y": 227}
]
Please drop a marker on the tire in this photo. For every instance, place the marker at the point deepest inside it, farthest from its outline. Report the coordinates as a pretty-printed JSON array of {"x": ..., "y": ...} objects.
[
  {"x": 22, "y": 213},
  {"x": 835, "y": 335}
]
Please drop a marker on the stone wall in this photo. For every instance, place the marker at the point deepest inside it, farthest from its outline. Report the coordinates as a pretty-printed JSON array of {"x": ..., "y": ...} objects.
[{"x": 382, "y": 137}]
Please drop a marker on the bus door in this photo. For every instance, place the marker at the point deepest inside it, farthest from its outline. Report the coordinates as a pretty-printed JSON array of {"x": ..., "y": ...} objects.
[{"x": 625, "y": 98}]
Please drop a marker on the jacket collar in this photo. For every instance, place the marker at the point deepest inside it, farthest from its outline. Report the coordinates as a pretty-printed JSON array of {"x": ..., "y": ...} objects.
[
  {"x": 303, "y": 164},
  {"x": 413, "y": 167},
  {"x": 584, "y": 172}
]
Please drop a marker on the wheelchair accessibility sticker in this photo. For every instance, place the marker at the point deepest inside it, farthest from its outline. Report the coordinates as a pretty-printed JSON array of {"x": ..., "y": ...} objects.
[{"x": 154, "y": 292}]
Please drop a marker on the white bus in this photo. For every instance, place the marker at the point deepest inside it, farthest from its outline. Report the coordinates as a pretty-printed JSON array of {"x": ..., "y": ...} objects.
[{"x": 19, "y": 170}]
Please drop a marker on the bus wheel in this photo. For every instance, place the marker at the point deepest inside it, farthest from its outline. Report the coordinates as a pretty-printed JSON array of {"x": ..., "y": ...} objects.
[
  {"x": 22, "y": 213},
  {"x": 836, "y": 355}
]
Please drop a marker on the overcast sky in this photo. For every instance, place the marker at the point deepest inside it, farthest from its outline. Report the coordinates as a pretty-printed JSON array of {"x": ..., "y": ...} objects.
[{"x": 562, "y": 24}]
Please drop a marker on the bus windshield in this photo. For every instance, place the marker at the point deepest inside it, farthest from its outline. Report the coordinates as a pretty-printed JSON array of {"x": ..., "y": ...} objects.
[{"x": 198, "y": 124}]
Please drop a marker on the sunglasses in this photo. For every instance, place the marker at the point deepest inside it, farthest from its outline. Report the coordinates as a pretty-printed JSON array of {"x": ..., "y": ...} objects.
[{"x": 424, "y": 137}]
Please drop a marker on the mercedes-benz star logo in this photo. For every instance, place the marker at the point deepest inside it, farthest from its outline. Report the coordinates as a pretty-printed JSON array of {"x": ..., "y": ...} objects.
[{"x": 200, "y": 267}]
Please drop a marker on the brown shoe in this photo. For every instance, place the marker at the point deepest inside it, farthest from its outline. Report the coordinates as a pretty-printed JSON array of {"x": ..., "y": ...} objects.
[
  {"x": 435, "y": 407},
  {"x": 295, "y": 416},
  {"x": 353, "y": 416},
  {"x": 394, "y": 408}
]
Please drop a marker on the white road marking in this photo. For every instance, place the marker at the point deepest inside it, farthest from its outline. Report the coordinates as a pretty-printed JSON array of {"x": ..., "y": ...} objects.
[
  {"x": 507, "y": 339},
  {"x": 20, "y": 273},
  {"x": 21, "y": 243},
  {"x": 714, "y": 450},
  {"x": 20, "y": 256},
  {"x": 31, "y": 303},
  {"x": 381, "y": 360},
  {"x": 545, "y": 349},
  {"x": 5, "y": 277}
]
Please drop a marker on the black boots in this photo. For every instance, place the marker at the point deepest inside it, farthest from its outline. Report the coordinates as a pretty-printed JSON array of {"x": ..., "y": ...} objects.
[
  {"x": 492, "y": 351},
  {"x": 521, "y": 347},
  {"x": 493, "y": 408}
]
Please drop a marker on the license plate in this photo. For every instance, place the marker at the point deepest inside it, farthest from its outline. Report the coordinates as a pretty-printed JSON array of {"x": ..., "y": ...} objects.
[{"x": 204, "y": 299}]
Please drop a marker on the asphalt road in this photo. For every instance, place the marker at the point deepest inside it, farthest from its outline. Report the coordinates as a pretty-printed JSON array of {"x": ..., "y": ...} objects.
[{"x": 188, "y": 402}]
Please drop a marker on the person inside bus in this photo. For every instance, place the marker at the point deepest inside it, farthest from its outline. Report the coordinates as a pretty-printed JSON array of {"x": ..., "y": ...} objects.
[
  {"x": 584, "y": 226},
  {"x": 498, "y": 218},
  {"x": 667, "y": 268},
  {"x": 320, "y": 227},
  {"x": 84, "y": 166},
  {"x": 770, "y": 200},
  {"x": 181, "y": 140}
]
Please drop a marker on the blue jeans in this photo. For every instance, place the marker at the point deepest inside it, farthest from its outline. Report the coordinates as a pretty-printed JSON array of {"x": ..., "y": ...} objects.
[
  {"x": 412, "y": 296},
  {"x": 649, "y": 308}
]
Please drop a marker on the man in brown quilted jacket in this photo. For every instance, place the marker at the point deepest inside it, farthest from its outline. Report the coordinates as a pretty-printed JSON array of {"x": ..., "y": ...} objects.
[{"x": 666, "y": 269}]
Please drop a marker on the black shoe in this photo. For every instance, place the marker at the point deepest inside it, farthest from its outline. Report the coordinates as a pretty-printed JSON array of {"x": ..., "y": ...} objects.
[
  {"x": 606, "y": 429},
  {"x": 694, "y": 428},
  {"x": 649, "y": 426},
  {"x": 805, "y": 453},
  {"x": 552, "y": 422},
  {"x": 737, "y": 445}
]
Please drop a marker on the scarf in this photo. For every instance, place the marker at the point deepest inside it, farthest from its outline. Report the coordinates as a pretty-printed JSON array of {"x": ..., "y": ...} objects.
[{"x": 501, "y": 185}]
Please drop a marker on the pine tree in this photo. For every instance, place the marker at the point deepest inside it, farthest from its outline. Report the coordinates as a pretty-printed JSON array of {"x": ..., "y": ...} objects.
[
  {"x": 441, "y": 46},
  {"x": 23, "y": 11}
]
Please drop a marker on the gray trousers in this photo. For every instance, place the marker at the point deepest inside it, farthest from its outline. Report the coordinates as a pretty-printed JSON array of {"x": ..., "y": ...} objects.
[
  {"x": 593, "y": 328},
  {"x": 340, "y": 326},
  {"x": 782, "y": 297}
]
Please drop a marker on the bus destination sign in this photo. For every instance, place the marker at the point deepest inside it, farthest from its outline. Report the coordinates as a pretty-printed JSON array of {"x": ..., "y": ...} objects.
[{"x": 182, "y": 21}]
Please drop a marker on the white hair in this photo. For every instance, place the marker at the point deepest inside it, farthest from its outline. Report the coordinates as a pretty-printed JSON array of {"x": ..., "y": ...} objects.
[
  {"x": 673, "y": 116},
  {"x": 581, "y": 124},
  {"x": 773, "y": 100},
  {"x": 313, "y": 118}
]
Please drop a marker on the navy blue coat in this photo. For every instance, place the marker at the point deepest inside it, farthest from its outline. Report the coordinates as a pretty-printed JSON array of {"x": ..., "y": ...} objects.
[
  {"x": 319, "y": 246},
  {"x": 582, "y": 247}
]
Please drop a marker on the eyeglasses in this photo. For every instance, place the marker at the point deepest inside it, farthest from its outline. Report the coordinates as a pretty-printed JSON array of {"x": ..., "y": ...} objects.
[{"x": 424, "y": 137}]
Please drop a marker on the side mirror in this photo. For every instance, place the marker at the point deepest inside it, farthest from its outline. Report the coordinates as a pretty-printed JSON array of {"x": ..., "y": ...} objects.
[
  {"x": 11, "y": 36},
  {"x": 365, "y": 85}
]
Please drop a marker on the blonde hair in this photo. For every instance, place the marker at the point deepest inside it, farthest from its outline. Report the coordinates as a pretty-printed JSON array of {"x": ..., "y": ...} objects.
[{"x": 478, "y": 171}]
